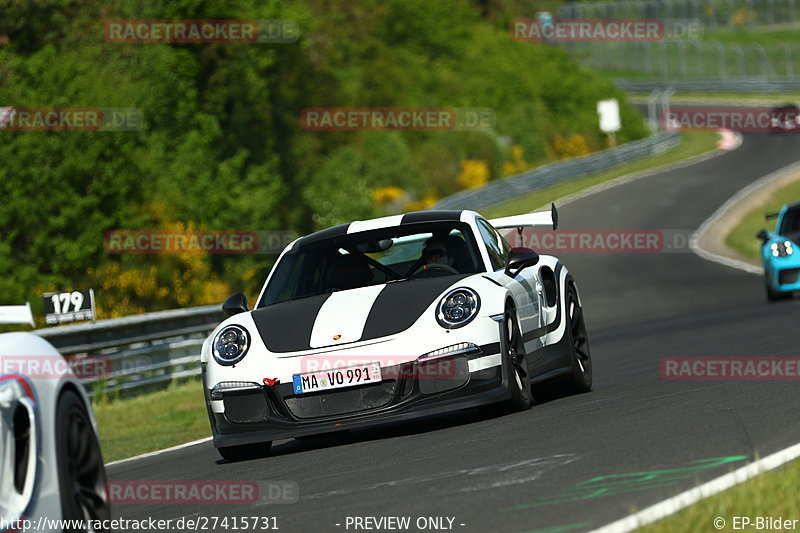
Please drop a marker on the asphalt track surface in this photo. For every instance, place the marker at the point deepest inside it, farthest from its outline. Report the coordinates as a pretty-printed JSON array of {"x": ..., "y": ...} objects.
[{"x": 578, "y": 462}]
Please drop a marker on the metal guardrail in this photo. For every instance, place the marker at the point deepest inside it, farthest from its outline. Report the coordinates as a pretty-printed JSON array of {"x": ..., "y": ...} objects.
[
  {"x": 693, "y": 44},
  {"x": 741, "y": 85},
  {"x": 739, "y": 14},
  {"x": 691, "y": 59},
  {"x": 138, "y": 352},
  {"x": 505, "y": 189}
]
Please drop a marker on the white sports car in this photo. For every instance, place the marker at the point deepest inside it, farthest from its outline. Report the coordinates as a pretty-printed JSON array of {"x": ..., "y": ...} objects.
[
  {"x": 51, "y": 468},
  {"x": 390, "y": 319}
]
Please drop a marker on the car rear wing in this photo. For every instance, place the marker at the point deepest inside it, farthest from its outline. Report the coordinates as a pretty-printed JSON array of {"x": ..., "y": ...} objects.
[
  {"x": 544, "y": 219},
  {"x": 16, "y": 314}
]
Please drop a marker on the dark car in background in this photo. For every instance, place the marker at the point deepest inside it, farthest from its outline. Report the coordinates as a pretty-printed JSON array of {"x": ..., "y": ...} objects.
[{"x": 785, "y": 119}]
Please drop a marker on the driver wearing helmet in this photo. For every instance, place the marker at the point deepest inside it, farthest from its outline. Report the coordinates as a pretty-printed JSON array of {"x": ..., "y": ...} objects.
[{"x": 436, "y": 253}]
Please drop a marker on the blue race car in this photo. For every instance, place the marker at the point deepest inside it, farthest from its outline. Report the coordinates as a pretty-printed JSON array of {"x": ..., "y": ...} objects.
[{"x": 780, "y": 253}]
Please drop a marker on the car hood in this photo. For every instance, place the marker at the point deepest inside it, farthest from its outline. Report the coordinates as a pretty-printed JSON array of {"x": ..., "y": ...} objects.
[
  {"x": 794, "y": 237},
  {"x": 349, "y": 316}
]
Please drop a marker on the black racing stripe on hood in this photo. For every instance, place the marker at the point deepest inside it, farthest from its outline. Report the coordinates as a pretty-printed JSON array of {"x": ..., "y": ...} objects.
[
  {"x": 287, "y": 326},
  {"x": 400, "y": 304}
]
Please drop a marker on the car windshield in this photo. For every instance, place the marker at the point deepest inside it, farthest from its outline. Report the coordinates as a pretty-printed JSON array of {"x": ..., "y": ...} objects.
[
  {"x": 374, "y": 257},
  {"x": 790, "y": 224}
]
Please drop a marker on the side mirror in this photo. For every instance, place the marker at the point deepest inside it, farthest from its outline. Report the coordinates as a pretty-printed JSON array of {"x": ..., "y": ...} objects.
[
  {"x": 763, "y": 235},
  {"x": 518, "y": 259},
  {"x": 235, "y": 304}
]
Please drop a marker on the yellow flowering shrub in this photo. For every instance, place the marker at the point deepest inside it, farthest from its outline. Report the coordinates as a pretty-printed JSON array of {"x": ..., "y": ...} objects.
[
  {"x": 741, "y": 17},
  {"x": 385, "y": 195},
  {"x": 517, "y": 163},
  {"x": 474, "y": 173},
  {"x": 125, "y": 286},
  {"x": 572, "y": 146}
]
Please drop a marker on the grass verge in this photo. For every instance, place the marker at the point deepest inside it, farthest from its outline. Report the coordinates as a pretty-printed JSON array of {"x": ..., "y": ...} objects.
[
  {"x": 131, "y": 426},
  {"x": 693, "y": 143},
  {"x": 742, "y": 239},
  {"x": 766, "y": 495}
]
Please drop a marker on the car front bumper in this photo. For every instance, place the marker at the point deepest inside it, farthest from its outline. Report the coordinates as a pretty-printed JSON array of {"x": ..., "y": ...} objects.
[
  {"x": 785, "y": 273},
  {"x": 408, "y": 391}
]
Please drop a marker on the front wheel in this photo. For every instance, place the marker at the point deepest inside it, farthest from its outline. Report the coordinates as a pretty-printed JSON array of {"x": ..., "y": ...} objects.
[
  {"x": 81, "y": 473},
  {"x": 518, "y": 382},
  {"x": 581, "y": 380}
]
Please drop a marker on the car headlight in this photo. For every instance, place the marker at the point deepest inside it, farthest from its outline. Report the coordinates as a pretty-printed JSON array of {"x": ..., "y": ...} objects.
[
  {"x": 782, "y": 249},
  {"x": 231, "y": 345},
  {"x": 457, "y": 308}
]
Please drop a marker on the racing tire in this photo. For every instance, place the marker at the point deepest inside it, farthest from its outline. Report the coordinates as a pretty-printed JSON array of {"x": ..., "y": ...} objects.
[
  {"x": 81, "y": 472},
  {"x": 518, "y": 381},
  {"x": 581, "y": 379},
  {"x": 245, "y": 452}
]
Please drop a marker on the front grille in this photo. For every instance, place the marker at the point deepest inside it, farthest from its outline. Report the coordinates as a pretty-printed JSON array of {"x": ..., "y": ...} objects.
[
  {"x": 341, "y": 401},
  {"x": 788, "y": 276},
  {"x": 444, "y": 374},
  {"x": 247, "y": 407}
]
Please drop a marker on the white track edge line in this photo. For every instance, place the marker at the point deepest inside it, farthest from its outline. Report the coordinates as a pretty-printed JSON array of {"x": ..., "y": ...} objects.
[
  {"x": 159, "y": 452},
  {"x": 676, "y": 503},
  {"x": 723, "y": 210},
  {"x": 685, "y": 499}
]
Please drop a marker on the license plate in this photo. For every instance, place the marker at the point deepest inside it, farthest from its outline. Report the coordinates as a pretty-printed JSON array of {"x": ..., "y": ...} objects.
[{"x": 337, "y": 378}]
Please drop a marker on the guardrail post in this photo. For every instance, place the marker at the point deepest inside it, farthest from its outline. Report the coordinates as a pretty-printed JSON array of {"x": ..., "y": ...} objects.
[
  {"x": 652, "y": 111},
  {"x": 666, "y": 94}
]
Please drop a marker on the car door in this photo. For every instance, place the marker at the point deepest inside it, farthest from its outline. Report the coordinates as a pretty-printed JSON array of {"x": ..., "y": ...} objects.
[{"x": 523, "y": 286}]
